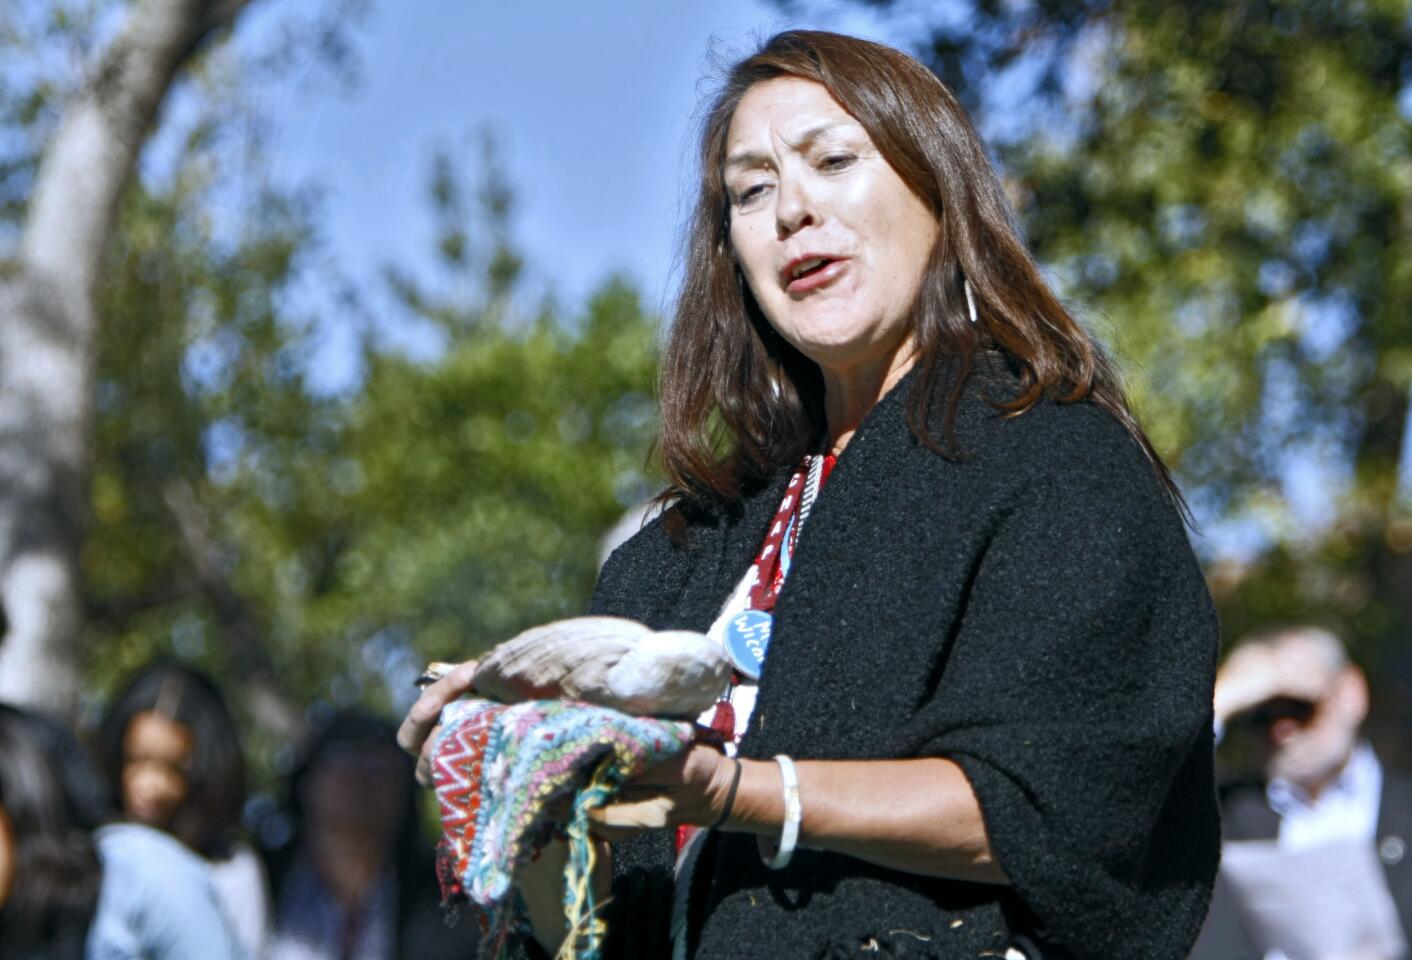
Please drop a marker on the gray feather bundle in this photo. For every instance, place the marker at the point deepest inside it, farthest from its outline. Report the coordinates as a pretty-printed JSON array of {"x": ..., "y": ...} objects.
[{"x": 610, "y": 662}]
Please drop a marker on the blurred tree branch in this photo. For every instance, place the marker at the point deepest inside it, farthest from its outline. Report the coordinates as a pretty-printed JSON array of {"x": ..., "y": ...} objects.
[{"x": 266, "y": 700}]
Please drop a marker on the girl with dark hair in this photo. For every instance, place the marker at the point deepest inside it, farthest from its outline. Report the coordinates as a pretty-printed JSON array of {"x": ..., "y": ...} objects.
[
  {"x": 68, "y": 892},
  {"x": 974, "y": 650},
  {"x": 171, "y": 754},
  {"x": 354, "y": 879}
]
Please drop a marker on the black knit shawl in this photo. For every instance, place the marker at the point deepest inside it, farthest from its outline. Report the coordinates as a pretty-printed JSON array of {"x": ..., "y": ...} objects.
[{"x": 1032, "y": 611}]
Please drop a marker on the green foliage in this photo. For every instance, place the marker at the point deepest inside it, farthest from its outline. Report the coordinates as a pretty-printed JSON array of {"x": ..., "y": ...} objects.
[
  {"x": 462, "y": 500},
  {"x": 1232, "y": 201},
  {"x": 429, "y": 511},
  {"x": 193, "y": 353}
]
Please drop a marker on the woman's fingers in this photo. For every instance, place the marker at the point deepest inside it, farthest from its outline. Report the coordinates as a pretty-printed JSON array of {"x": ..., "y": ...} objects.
[
  {"x": 426, "y": 712},
  {"x": 424, "y": 758},
  {"x": 650, "y": 813},
  {"x": 424, "y": 718},
  {"x": 672, "y": 792},
  {"x": 668, "y": 774},
  {"x": 610, "y": 835}
]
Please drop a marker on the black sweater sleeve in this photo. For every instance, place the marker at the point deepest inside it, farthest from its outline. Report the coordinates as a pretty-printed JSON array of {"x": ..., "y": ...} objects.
[{"x": 1078, "y": 703}]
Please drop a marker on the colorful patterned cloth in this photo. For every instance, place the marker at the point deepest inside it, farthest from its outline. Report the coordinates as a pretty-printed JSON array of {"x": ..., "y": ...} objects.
[{"x": 499, "y": 769}]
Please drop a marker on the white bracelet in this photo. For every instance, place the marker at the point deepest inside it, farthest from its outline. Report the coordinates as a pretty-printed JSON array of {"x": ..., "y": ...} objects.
[{"x": 793, "y": 816}]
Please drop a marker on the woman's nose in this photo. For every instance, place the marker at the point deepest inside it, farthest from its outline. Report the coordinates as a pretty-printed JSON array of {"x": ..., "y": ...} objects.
[
  {"x": 150, "y": 786},
  {"x": 794, "y": 208}
]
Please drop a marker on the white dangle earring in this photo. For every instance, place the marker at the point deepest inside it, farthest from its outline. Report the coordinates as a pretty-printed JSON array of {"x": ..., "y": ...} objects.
[{"x": 970, "y": 300}]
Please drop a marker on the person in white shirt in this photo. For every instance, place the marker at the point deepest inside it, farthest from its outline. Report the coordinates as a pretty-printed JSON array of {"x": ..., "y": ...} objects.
[{"x": 1304, "y": 702}]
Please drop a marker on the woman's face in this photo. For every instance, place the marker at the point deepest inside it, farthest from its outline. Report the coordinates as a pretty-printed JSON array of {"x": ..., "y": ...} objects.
[
  {"x": 156, "y": 756},
  {"x": 831, "y": 241}
]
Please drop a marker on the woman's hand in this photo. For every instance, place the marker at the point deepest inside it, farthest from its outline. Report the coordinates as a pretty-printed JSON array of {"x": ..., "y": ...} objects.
[
  {"x": 419, "y": 728},
  {"x": 541, "y": 881},
  {"x": 691, "y": 788}
]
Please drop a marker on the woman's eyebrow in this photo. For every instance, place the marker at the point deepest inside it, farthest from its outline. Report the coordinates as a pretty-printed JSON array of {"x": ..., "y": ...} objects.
[
  {"x": 746, "y": 159},
  {"x": 807, "y": 138},
  {"x": 756, "y": 158}
]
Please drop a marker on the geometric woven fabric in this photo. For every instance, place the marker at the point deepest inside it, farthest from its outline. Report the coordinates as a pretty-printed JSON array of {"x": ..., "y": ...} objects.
[{"x": 502, "y": 772}]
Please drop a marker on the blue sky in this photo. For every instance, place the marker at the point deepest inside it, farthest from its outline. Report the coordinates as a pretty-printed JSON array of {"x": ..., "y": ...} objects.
[{"x": 592, "y": 105}]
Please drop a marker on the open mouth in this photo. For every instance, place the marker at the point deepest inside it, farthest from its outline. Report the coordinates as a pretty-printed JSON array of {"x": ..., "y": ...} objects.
[
  {"x": 809, "y": 271},
  {"x": 809, "y": 267}
]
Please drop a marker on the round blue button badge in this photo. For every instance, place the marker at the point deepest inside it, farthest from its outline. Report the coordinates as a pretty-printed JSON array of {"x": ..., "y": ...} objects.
[{"x": 747, "y": 639}]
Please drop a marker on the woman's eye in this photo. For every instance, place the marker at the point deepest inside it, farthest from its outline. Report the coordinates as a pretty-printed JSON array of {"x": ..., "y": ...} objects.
[
  {"x": 837, "y": 161},
  {"x": 751, "y": 193}
]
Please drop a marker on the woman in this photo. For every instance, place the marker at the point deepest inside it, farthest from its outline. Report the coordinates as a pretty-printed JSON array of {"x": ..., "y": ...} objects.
[
  {"x": 67, "y": 891},
  {"x": 355, "y": 879},
  {"x": 982, "y": 724},
  {"x": 171, "y": 754}
]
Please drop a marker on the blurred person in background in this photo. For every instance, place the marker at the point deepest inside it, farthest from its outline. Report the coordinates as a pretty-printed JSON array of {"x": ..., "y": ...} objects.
[
  {"x": 171, "y": 753},
  {"x": 72, "y": 889},
  {"x": 1303, "y": 702},
  {"x": 356, "y": 879}
]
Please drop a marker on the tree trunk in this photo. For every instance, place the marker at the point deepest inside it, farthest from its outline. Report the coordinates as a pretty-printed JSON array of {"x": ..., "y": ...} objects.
[{"x": 48, "y": 326}]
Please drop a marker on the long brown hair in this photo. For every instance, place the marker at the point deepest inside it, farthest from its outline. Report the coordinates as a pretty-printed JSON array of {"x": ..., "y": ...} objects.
[{"x": 739, "y": 402}]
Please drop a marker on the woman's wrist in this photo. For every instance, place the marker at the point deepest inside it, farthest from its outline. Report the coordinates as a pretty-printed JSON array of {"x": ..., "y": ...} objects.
[
  {"x": 737, "y": 771},
  {"x": 759, "y": 800}
]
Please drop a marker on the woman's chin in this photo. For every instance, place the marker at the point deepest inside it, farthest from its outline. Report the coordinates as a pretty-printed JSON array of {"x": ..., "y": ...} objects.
[
  {"x": 148, "y": 817},
  {"x": 847, "y": 357}
]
